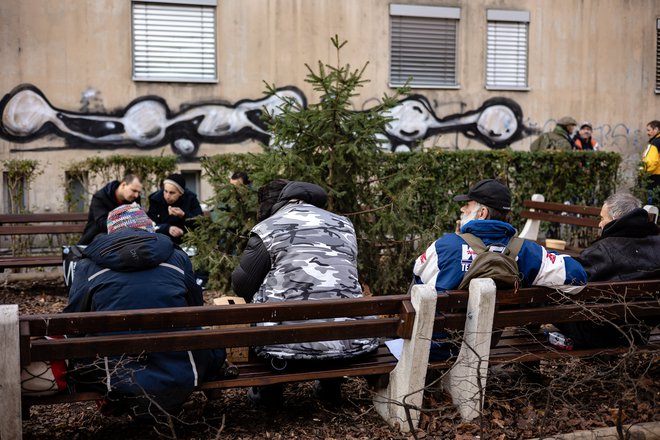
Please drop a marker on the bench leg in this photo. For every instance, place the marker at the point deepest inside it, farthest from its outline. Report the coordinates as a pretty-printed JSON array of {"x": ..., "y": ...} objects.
[
  {"x": 466, "y": 381},
  {"x": 399, "y": 403},
  {"x": 11, "y": 425}
]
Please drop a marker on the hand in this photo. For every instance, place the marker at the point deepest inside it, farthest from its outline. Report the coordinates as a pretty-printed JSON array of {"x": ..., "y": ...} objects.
[
  {"x": 177, "y": 212},
  {"x": 175, "y": 231}
]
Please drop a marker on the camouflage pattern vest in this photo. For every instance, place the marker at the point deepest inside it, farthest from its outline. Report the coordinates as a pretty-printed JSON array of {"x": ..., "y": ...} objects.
[{"x": 313, "y": 255}]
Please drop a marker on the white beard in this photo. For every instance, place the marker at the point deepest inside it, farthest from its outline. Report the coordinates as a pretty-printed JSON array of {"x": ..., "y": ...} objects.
[{"x": 466, "y": 218}]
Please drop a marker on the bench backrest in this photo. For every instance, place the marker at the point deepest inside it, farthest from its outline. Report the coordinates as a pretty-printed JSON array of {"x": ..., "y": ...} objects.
[
  {"x": 43, "y": 223},
  {"x": 561, "y": 213},
  {"x": 389, "y": 316},
  {"x": 540, "y": 305}
]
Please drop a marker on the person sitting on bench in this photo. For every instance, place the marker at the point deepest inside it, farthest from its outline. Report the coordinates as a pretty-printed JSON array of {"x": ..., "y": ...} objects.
[
  {"x": 299, "y": 251},
  {"x": 628, "y": 249},
  {"x": 132, "y": 267},
  {"x": 484, "y": 215}
]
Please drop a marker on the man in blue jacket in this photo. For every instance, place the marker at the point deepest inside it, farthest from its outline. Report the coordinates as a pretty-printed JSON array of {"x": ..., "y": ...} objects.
[
  {"x": 133, "y": 268},
  {"x": 485, "y": 215}
]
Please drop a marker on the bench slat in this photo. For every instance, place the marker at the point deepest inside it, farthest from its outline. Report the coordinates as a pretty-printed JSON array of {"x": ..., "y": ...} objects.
[
  {"x": 42, "y": 229},
  {"x": 135, "y": 343},
  {"x": 558, "y": 218},
  {"x": 553, "y": 206},
  {"x": 164, "y": 318},
  {"x": 52, "y": 217},
  {"x": 31, "y": 261}
]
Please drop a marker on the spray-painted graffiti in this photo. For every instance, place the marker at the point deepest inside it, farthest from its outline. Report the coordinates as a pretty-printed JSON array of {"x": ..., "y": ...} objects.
[
  {"x": 497, "y": 123},
  {"x": 148, "y": 122}
]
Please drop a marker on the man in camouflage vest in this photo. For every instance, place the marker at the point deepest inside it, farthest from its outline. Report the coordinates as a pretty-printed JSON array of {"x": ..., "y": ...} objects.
[{"x": 299, "y": 251}]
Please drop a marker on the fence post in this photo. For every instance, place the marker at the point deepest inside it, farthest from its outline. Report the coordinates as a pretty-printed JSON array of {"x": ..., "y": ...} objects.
[
  {"x": 399, "y": 402},
  {"x": 466, "y": 381},
  {"x": 11, "y": 424}
]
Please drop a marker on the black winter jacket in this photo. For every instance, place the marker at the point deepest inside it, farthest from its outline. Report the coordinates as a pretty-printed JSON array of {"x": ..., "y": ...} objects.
[
  {"x": 103, "y": 201},
  {"x": 629, "y": 249},
  {"x": 188, "y": 202}
]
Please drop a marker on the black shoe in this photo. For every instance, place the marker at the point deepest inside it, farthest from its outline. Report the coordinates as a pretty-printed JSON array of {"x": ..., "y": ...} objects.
[
  {"x": 269, "y": 396},
  {"x": 328, "y": 390}
]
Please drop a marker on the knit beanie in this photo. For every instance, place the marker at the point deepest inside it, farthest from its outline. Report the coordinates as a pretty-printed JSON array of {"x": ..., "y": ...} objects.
[
  {"x": 177, "y": 180},
  {"x": 129, "y": 216}
]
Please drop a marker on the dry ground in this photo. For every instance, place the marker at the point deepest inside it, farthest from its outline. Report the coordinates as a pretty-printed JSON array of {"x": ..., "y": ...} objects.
[{"x": 565, "y": 398}]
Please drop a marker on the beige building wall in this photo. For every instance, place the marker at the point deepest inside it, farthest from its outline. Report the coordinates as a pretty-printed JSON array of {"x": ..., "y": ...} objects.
[{"x": 592, "y": 59}]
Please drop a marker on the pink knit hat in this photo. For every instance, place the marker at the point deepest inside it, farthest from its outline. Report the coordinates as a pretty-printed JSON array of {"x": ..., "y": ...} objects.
[{"x": 129, "y": 216}]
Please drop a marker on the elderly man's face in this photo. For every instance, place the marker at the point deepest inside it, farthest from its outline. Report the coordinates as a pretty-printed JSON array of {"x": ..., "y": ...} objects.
[
  {"x": 605, "y": 217},
  {"x": 470, "y": 211}
]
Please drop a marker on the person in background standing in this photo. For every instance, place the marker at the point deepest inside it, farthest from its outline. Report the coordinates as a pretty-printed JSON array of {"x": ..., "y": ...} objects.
[
  {"x": 651, "y": 157},
  {"x": 583, "y": 140},
  {"x": 557, "y": 139}
]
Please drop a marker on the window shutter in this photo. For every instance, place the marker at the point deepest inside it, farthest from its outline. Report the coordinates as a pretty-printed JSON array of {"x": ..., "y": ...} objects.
[
  {"x": 506, "y": 59},
  {"x": 423, "y": 48},
  {"x": 174, "y": 42}
]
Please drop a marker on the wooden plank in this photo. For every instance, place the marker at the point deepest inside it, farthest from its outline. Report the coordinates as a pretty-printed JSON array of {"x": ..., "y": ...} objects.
[
  {"x": 136, "y": 343},
  {"x": 44, "y": 217},
  {"x": 406, "y": 320},
  {"x": 42, "y": 229},
  {"x": 258, "y": 372},
  {"x": 560, "y": 207},
  {"x": 178, "y": 317},
  {"x": 558, "y": 218},
  {"x": 31, "y": 261}
]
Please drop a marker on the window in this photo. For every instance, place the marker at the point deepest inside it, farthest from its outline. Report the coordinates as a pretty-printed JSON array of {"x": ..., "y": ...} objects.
[
  {"x": 506, "y": 49},
  {"x": 423, "y": 42},
  {"x": 174, "y": 41},
  {"x": 76, "y": 191},
  {"x": 657, "y": 57},
  {"x": 16, "y": 197},
  {"x": 192, "y": 180}
]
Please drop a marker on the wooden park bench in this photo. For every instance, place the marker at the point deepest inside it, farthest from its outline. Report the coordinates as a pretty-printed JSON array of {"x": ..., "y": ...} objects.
[
  {"x": 412, "y": 318},
  {"x": 537, "y": 210},
  {"x": 33, "y": 226}
]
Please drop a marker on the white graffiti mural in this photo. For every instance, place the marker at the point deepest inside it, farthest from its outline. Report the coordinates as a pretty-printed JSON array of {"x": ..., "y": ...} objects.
[
  {"x": 148, "y": 122},
  {"x": 497, "y": 123}
]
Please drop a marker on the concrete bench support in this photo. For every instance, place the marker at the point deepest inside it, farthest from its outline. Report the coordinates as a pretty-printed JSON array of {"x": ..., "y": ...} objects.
[
  {"x": 530, "y": 230},
  {"x": 11, "y": 424},
  {"x": 466, "y": 381},
  {"x": 398, "y": 403}
]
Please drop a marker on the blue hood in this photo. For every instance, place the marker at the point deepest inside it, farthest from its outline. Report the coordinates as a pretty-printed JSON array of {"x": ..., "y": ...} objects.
[
  {"x": 129, "y": 250},
  {"x": 490, "y": 231}
]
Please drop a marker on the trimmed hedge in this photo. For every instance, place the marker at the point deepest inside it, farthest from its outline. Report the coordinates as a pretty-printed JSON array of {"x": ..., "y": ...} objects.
[{"x": 409, "y": 202}]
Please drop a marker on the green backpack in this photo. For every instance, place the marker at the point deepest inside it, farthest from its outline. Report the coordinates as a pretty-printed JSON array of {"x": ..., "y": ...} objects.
[{"x": 501, "y": 267}]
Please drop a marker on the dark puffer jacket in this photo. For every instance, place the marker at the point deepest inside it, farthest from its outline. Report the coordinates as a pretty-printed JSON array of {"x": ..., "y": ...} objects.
[
  {"x": 188, "y": 203},
  {"x": 103, "y": 201},
  {"x": 302, "y": 252},
  {"x": 629, "y": 249},
  {"x": 134, "y": 269}
]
